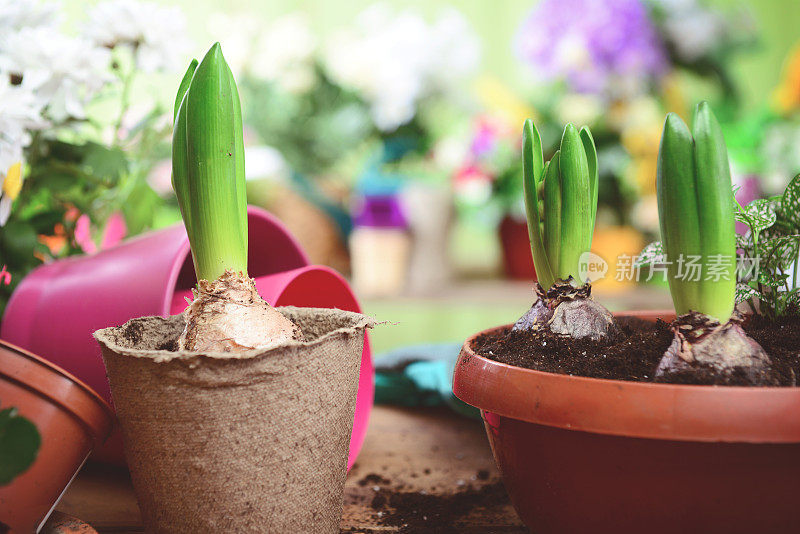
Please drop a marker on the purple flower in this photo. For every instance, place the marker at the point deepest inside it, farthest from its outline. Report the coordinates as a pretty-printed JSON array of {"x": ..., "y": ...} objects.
[{"x": 603, "y": 47}]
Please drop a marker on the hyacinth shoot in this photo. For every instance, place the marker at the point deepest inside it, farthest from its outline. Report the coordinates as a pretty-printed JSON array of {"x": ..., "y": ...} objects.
[
  {"x": 208, "y": 166},
  {"x": 696, "y": 214},
  {"x": 560, "y": 201},
  {"x": 227, "y": 313}
]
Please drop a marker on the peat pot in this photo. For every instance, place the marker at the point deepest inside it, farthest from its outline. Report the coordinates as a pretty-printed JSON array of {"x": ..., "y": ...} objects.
[
  {"x": 582, "y": 455},
  {"x": 249, "y": 442}
]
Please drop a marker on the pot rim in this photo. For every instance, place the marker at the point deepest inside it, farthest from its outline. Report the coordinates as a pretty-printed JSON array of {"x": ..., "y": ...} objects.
[
  {"x": 624, "y": 408},
  {"x": 58, "y": 387}
]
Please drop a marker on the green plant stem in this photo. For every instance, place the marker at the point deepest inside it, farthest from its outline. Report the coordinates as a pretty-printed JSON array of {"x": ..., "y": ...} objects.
[
  {"x": 208, "y": 168},
  {"x": 124, "y": 104}
]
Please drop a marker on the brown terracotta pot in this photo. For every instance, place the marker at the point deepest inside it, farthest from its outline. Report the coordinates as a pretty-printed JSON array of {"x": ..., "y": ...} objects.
[
  {"x": 516, "y": 247},
  {"x": 589, "y": 455},
  {"x": 71, "y": 419}
]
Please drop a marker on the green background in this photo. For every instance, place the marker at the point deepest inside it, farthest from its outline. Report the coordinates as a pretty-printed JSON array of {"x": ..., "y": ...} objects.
[{"x": 496, "y": 21}]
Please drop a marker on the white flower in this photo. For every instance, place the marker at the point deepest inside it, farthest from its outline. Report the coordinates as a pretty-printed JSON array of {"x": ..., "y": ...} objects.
[
  {"x": 284, "y": 54},
  {"x": 454, "y": 52},
  {"x": 263, "y": 161},
  {"x": 237, "y": 34},
  {"x": 154, "y": 32},
  {"x": 396, "y": 59},
  {"x": 20, "y": 112},
  {"x": 691, "y": 28},
  {"x": 17, "y": 14},
  {"x": 62, "y": 72}
]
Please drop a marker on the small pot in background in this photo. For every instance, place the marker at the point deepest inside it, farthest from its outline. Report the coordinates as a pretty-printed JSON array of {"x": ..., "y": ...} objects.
[
  {"x": 516, "y": 248},
  {"x": 72, "y": 420},
  {"x": 583, "y": 454},
  {"x": 380, "y": 246},
  {"x": 429, "y": 211}
]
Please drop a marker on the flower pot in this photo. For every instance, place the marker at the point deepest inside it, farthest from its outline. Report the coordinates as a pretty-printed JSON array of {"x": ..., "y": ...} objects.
[
  {"x": 516, "y": 248},
  {"x": 589, "y": 455},
  {"x": 429, "y": 211},
  {"x": 150, "y": 275},
  {"x": 252, "y": 442},
  {"x": 71, "y": 419}
]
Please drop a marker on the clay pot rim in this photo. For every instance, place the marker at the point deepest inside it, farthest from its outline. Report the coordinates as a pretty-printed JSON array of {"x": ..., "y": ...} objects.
[
  {"x": 635, "y": 409},
  {"x": 59, "y": 387}
]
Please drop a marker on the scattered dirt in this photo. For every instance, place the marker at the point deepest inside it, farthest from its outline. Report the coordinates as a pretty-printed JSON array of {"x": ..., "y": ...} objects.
[
  {"x": 372, "y": 479},
  {"x": 422, "y": 512},
  {"x": 634, "y": 352}
]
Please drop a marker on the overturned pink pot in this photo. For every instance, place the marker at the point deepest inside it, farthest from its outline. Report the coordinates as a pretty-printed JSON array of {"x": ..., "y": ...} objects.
[{"x": 56, "y": 308}]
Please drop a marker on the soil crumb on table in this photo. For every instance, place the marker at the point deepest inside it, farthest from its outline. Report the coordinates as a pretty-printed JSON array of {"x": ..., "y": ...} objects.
[
  {"x": 633, "y": 354},
  {"x": 422, "y": 512}
]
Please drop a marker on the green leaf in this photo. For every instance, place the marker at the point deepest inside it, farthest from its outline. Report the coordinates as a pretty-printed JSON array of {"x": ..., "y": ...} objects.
[
  {"x": 208, "y": 169},
  {"x": 677, "y": 208},
  {"x": 652, "y": 254},
  {"x": 744, "y": 293},
  {"x": 532, "y": 175},
  {"x": 576, "y": 209},
  {"x": 715, "y": 211},
  {"x": 771, "y": 279},
  {"x": 790, "y": 204},
  {"x": 183, "y": 87},
  {"x": 744, "y": 242},
  {"x": 105, "y": 163},
  {"x": 19, "y": 444},
  {"x": 552, "y": 213},
  {"x": 761, "y": 215},
  {"x": 780, "y": 252},
  {"x": 594, "y": 172}
]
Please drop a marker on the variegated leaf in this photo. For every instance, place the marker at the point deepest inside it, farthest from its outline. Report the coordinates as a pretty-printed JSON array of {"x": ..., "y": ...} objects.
[
  {"x": 772, "y": 279},
  {"x": 745, "y": 292},
  {"x": 781, "y": 251},
  {"x": 790, "y": 204},
  {"x": 744, "y": 242},
  {"x": 761, "y": 214},
  {"x": 651, "y": 254}
]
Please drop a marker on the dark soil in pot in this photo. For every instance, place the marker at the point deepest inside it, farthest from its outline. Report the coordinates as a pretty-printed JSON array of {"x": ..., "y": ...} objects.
[{"x": 635, "y": 351}]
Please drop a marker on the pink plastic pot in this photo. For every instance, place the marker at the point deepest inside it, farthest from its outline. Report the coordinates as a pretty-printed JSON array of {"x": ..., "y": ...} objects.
[{"x": 56, "y": 308}]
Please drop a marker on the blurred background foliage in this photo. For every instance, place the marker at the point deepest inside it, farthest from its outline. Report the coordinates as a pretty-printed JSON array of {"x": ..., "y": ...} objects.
[{"x": 385, "y": 135}]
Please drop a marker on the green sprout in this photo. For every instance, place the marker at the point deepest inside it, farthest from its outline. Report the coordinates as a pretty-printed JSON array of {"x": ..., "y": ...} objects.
[
  {"x": 560, "y": 201},
  {"x": 208, "y": 166},
  {"x": 696, "y": 214}
]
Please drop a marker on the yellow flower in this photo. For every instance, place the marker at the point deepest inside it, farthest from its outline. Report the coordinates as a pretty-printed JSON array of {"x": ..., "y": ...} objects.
[
  {"x": 499, "y": 99},
  {"x": 787, "y": 95},
  {"x": 13, "y": 182}
]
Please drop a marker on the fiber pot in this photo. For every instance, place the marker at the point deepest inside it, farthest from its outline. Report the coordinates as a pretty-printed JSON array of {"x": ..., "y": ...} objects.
[
  {"x": 255, "y": 442},
  {"x": 71, "y": 420},
  {"x": 589, "y": 455},
  {"x": 152, "y": 274}
]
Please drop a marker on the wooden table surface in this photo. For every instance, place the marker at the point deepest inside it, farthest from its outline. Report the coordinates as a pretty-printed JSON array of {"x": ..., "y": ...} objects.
[{"x": 412, "y": 450}]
